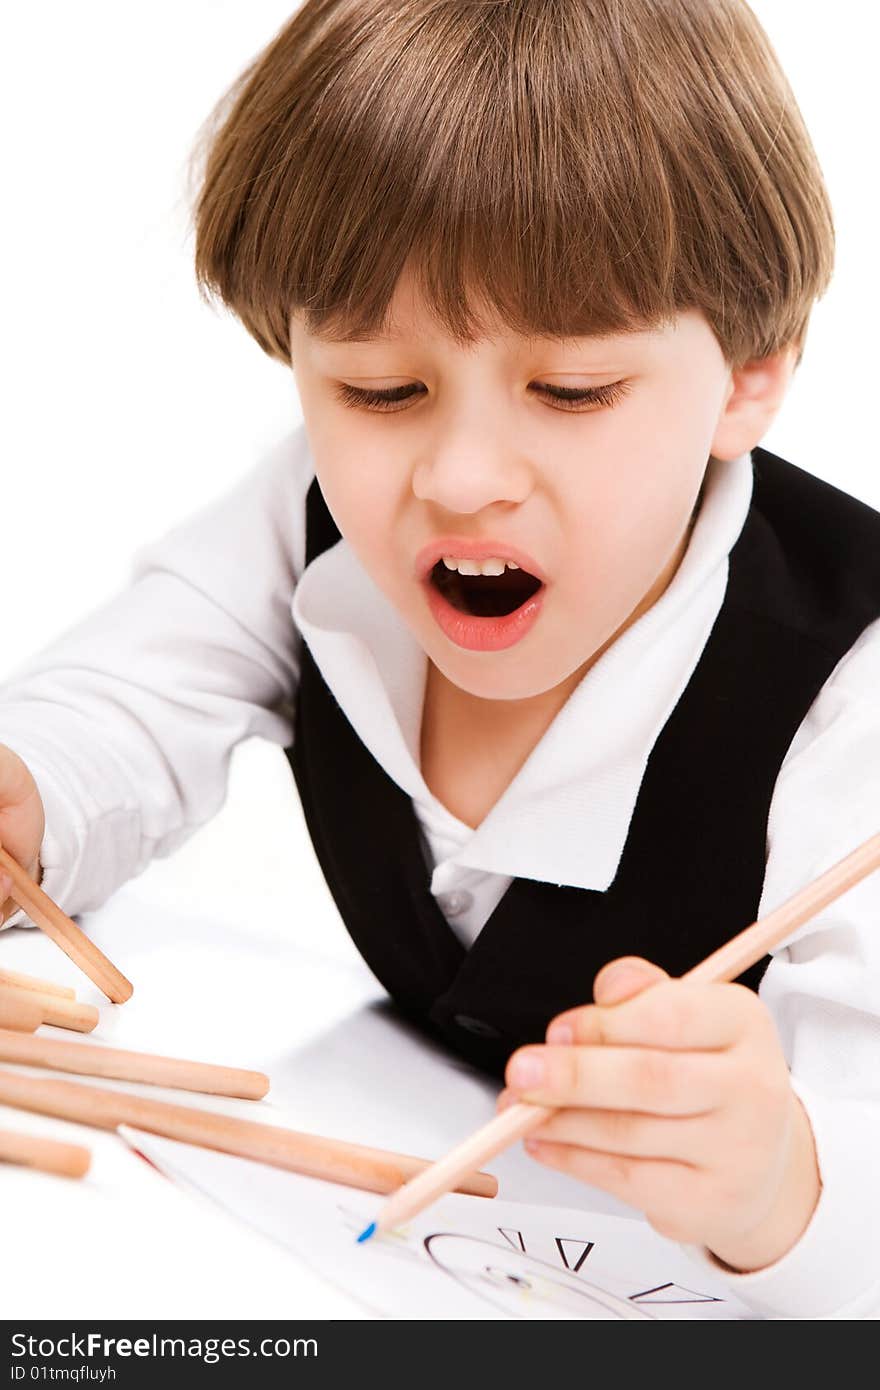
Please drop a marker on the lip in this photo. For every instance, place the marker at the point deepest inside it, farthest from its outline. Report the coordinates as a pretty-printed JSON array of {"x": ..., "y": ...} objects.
[
  {"x": 464, "y": 549},
  {"x": 483, "y": 634},
  {"x": 480, "y": 634}
]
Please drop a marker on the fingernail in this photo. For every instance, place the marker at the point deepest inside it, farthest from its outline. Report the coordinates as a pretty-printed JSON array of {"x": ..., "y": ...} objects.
[
  {"x": 527, "y": 1071},
  {"x": 560, "y": 1033}
]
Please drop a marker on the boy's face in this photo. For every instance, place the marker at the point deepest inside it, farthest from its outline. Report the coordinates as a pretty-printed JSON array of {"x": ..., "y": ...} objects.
[{"x": 594, "y": 497}]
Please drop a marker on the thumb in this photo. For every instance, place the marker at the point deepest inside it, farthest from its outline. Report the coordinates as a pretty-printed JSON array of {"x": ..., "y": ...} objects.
[{"x": 622, "y": 979}]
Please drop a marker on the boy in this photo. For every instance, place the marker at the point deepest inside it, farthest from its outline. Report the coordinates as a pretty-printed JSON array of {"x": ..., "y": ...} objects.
[{"x": 577, "y": 673}]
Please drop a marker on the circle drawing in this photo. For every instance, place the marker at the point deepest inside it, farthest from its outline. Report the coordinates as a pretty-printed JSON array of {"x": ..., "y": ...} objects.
[{"x": 522, "y": 1286}]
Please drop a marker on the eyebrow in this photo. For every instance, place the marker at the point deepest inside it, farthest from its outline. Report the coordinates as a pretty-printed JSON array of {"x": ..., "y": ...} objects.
[
  {"x": 327, "y": 334},
  {"x": 394, "y": 339},
  {"x": 350, "y": 339}
]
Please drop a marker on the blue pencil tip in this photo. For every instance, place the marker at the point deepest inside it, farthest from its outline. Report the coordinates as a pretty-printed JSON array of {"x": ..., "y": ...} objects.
[{"x": 365, "y": 1235}]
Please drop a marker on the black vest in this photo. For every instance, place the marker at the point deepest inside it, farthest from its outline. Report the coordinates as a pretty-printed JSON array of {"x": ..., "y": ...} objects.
[{"x": 804, "y": 582}]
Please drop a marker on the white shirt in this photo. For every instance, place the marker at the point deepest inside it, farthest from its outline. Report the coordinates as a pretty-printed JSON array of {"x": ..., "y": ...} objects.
[{"x": 128, "y": 722}]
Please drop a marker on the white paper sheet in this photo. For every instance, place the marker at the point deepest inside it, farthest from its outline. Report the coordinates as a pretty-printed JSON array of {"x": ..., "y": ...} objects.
[{"x": 464, "y": 1257}]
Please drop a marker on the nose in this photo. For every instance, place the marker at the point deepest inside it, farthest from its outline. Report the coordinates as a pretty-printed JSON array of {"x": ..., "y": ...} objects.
[{"x": 472, "y": 466}]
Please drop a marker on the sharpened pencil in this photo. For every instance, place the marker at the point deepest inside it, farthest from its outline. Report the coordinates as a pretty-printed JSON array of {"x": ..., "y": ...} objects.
[{"x": 729, "y": 961}]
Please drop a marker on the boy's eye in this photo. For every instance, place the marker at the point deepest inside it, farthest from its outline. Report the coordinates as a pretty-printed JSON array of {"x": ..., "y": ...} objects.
[
  {"x": 569, "y": 398},
  {"x": 378, "y": 400}
]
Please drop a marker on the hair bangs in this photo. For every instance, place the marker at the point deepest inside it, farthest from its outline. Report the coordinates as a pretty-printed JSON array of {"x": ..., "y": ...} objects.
[{"x": 561, "y": 168}]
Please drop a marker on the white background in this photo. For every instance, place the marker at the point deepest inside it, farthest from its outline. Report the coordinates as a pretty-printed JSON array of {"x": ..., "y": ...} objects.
[{"x": 128, "y": 403}]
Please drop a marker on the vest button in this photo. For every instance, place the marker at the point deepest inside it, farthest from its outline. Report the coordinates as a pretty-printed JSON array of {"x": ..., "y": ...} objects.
[
  {"x": 476, "y": 1025},
  {"x": 455, "y": 902}
]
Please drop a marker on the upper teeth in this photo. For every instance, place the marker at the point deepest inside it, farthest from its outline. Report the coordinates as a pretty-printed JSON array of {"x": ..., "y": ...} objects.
[{"x": 492, "y": 565}]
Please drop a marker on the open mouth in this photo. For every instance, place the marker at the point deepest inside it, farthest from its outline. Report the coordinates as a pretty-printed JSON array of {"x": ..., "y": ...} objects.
[{"x": 485, "y": 595}]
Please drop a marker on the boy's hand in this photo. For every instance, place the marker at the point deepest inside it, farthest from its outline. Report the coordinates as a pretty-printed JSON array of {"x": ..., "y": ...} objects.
[
  {"x": 22, "y": 823},
  {"x": 678, "y": 1102}
]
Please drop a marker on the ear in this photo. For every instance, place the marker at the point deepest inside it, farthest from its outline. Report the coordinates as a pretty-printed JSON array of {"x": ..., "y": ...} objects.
[{"x": 755, "y": 393}]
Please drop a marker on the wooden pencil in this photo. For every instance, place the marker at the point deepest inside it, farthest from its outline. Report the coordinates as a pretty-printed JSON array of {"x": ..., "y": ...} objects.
[
  {"x": 19, "y": 1010},
  {"x": 50, "y": 1156},
  {"x": 62, "y": 1013},
  {"x": 312, "y": 1154},
  {"x": 730, "y": 960},
  {"x": 64, "y": 932},
  {"x": 15, "y": 980},
  {"x": 84, "y": 1059}
]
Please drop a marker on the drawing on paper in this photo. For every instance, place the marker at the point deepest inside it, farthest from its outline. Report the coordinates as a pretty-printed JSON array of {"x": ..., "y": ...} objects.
[
  {"x": 463, "y": 1257},
  {"x": 521, "y": 1284}
]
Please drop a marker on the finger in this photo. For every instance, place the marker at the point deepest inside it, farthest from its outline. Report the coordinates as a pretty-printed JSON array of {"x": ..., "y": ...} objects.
[
  {"x": 682, "y": 1138},
  {"x": 651, "y": 1080},
  {"x": 16, "y": 781},
  {"x": 618, "y": 980},
  {"x": 505, "y": 1098},
  {"x": 22, "y": 819},
  {"x": 622, "y": 979},
  {"x": 648, "y": 1184},
  {"x": 673, "y": 1014}
]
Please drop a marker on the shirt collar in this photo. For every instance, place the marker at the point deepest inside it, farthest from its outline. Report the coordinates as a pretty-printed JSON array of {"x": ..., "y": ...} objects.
[{"x": 564, "y": 818}]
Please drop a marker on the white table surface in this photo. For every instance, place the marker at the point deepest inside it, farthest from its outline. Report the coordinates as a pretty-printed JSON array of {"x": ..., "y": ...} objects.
[{"x": 248, "y": 981}]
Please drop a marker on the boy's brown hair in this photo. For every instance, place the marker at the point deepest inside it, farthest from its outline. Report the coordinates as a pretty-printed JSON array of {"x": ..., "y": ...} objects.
[{"x": 588, "y": 166}]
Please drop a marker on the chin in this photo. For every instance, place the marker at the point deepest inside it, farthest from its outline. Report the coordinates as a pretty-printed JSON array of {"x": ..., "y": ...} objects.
[{"x": 488, "y": 676}]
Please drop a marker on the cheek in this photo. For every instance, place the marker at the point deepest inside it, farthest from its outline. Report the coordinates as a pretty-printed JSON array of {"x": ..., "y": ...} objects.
[
  {"x": 625, "y": 523},
  {"x": 363, "y": 495},
  {"x": 354, "y": 468},
  {"x": 361, "y": 507}
]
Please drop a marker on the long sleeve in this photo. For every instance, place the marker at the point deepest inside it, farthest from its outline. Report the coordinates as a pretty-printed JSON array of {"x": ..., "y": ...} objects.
[
  {"x": 128, "y": 720},
  {"x": 823, "y": 989}
]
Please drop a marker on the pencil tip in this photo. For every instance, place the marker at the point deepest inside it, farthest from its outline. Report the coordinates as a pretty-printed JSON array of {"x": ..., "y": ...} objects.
[{"x": 365, "y": 1235}]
